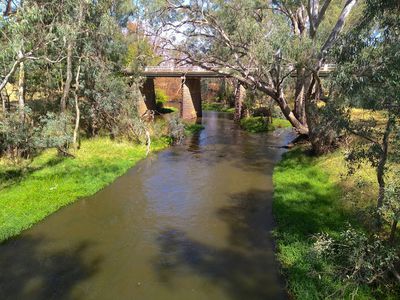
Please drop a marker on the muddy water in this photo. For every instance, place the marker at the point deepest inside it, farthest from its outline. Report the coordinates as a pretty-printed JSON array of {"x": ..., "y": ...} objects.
[{"x": 192, "y": 222}]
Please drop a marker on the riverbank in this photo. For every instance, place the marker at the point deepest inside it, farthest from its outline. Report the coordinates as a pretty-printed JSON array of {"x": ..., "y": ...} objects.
[
  {"x": 314, "y": 195},
  {"x": 30, "y": 194}
]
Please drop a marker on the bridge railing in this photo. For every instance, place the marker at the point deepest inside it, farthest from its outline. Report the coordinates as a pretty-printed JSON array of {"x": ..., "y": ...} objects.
[
  {"x": 326, "y": 68},
  {"x": 174, "y": 69}
]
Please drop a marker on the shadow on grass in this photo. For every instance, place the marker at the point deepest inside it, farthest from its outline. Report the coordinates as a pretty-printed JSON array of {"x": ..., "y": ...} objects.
[
  {"x": 13, "y": 176},
  {"x": 305, "y": 203},
  {"x": 245, "y": 268},
  {"x": 28, "y": 271}
]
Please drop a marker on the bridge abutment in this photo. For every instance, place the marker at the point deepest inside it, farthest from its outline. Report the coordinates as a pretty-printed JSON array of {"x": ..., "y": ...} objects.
[
  {"x": 191, "y": 98},
  {"x": 149, "y": 95}
]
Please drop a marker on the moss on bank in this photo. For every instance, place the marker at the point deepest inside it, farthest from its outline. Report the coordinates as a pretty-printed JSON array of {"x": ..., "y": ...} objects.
[
  {"x": 261, "y": 124},
  {"x": 216, "y": 106},
  {"x": 50, "y": 182},
  {"x": 313, "y": 195}
]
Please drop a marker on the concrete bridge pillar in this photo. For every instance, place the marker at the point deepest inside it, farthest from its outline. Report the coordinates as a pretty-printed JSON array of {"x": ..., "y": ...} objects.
[
  {"x": 149, "y": 95},
  {"x": 240, "y": 95},
  {"x": 191, "y": 98}
]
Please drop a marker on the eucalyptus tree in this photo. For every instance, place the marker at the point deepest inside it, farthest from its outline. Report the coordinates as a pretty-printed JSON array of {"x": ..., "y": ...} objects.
[
  {"x": 263, "y": 44},
  {"x": 71, "y": 53},
  {"x": 368, "y": 75}
]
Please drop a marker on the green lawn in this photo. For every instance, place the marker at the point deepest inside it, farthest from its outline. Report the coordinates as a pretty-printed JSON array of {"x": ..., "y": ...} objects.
[
  {"x": 49, "y": 182},
  {"x": 311, "y": 196}
]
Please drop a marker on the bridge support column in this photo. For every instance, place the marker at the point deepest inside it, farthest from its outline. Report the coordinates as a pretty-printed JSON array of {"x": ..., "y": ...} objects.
[
  {"x": 240, "y": 95},
  {"x": 149, "y": 95},
  {"x": 191, "y": 98}
]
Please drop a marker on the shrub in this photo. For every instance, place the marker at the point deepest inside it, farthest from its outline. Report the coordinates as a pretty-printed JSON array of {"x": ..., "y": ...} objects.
[
  {"x": 176, "y": 130},
  {"x": 56, "y": 131},
  {"x": 17, "y": 138},
  {"x": 357, "y": 258}
]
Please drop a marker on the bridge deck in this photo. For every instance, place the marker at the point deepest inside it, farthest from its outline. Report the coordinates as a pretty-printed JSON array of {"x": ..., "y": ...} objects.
[{"x": 153, "y": 72}]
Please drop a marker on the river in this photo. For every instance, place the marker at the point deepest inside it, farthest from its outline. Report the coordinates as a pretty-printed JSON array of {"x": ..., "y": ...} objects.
[{"x": 191, "y": 222}]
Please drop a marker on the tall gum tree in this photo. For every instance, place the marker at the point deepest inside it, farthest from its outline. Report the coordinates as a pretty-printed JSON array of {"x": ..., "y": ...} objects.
[{"x": 263, "y": 44}]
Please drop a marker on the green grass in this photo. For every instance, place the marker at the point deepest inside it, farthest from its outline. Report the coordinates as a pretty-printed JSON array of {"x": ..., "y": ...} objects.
[
  {"x": 216, "y": 106},
  {"x": 193, "y": 128},
  {"x": 167, "y": 110},
  {"x": 312, "y": 196},
  {"x": 260, "y": 124},
  {"x": 49, "y": 182}
]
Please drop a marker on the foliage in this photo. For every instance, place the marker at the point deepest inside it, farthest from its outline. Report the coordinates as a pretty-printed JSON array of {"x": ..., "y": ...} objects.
[
  {"x": 55, "y": 131},
  {"x": 50, "y": 182},
  {"x": 357, "y": 259},
  {"x": 176, "y": 129},
  {"x": 368, "y": 75},
  {"x": 17, "y": 139},
  {"x": 161, "y": 98},
  {"x": 71, "y": 54}
]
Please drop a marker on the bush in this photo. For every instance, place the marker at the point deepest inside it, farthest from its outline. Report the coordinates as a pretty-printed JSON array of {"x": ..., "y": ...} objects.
[
  {"x": 176, "y": 130},
  {"x": 17, "y": 138},
  {"x": 56, "y": 131},
  {"x": 357, "y": 258}
]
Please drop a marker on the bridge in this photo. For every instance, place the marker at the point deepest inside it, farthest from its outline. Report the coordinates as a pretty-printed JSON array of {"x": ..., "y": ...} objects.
[{"x": 191, "y": 86}]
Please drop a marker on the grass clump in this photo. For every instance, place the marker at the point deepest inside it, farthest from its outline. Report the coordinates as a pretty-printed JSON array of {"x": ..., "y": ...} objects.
[
  {"x": 216, "y": 106},
  {"x": 262, "y": 124},
  {"x": 50, "y": 182},
  {"x": 193, "y": 128},
  {"x": 313, "y": 196}
]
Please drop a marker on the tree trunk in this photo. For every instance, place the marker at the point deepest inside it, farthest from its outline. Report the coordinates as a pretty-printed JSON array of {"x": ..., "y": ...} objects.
[
  {"x": 67, "y": 85},
  {"x": 302, "y": 85},
  {"x": 8, "y": 9},
  {"x": 301, "y": 129},
  {"x": 77, "y": 110},
  {"x": 3, "y": 103},
  {"x": 21, "y": 92},
  {"x": 393, "y": 231},
  {"x": 380, "y": 170},
  {"x": 321, "y": 133},
  {"x": 239, "y": 98}
]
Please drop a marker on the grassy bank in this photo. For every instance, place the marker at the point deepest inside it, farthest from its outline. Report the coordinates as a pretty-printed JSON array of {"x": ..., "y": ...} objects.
[
  {"x": 313, "y": 195},
  {"x": 30, "y": 194},
  {"x": 260, "y": 124}
]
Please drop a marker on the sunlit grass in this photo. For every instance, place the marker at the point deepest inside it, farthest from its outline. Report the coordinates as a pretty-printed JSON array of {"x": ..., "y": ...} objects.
[
  {"x": 50, "y": 182},
  {"x": 314, "y": 195}
]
